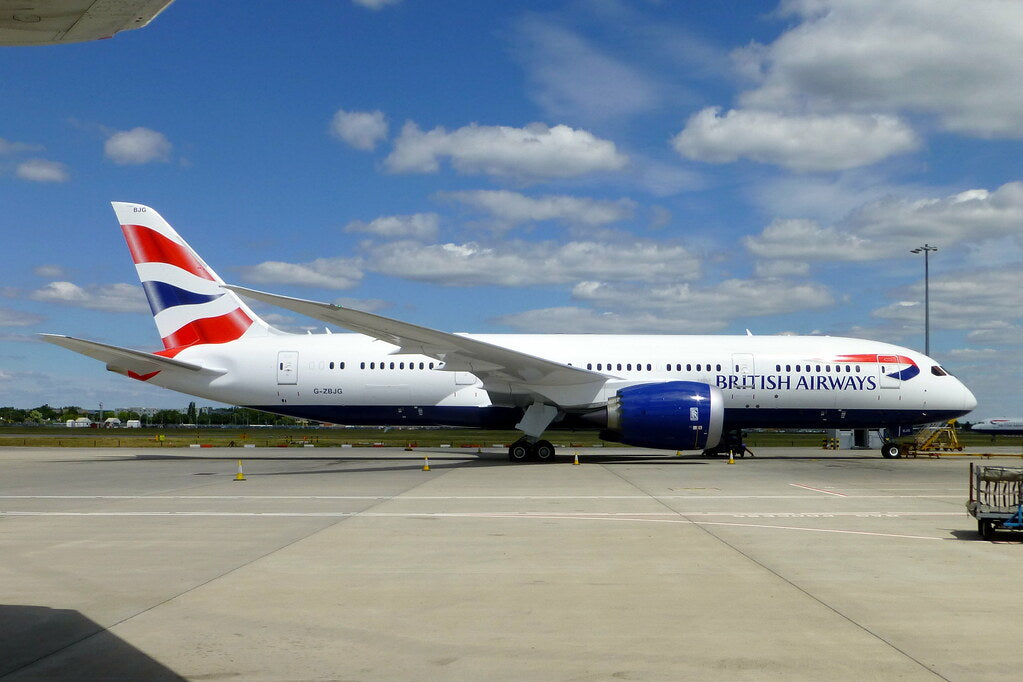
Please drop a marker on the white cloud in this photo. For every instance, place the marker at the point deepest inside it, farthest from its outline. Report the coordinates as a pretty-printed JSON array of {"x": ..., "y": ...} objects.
[
  {"x": 798, "y": 142},
  {"x": 972, "y": 215},
  {"x": 422, "y": 226},
  {"x": 40, "y": 170},
  {"x": 573, "y": 80},
  {"x": 677, "y": 308},
  {"x": 9, "y": 148},
  {"x": 137, "y": 146},
  {"x": 719, "y": 303},
  {"x": 536, "y": 152},
  {"x": 375, "y": 4},
  {"x": 976, "y": 300},
  {"x": 114, "y": 298},
  {"x": 805, "y": 240},
  {"x": 572, "y": 319},
  {"x": 889, "y": 227},
  {"x": 16, "y": 318},
  {"x": 48, "y": 271},
  {"x": 513, "y": 208},
  {"x": 329, "y": 273},
  {"x": 360, "y": 129},
  {"x": 518, "y": 263},
  {"x": 959, "y": 62}
]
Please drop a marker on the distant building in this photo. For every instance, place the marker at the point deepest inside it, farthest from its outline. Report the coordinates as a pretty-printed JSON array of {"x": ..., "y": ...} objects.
[
  {"x": 133, "y": 424},
  {"x": 80, "y": 423}
]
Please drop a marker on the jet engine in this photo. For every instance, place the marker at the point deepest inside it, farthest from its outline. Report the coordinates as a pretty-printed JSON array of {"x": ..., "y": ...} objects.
[{"x": 675, "y": 415}]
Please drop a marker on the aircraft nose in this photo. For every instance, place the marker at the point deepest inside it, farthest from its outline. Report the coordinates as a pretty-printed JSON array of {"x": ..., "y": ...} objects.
[{"x": 969, "y": 400}]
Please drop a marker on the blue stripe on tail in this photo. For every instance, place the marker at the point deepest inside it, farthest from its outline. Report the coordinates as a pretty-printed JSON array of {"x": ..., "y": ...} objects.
[{"x": 162, "y": 295}]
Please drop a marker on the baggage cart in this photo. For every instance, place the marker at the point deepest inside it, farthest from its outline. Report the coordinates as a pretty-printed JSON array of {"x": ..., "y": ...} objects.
[{"x": 996, "y": 498}]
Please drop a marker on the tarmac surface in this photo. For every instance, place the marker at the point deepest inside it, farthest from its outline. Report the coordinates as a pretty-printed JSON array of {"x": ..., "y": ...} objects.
[{"x": 336, "y": 564}]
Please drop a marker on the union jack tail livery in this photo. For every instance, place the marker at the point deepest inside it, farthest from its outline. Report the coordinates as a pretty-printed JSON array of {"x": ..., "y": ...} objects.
[{"x": 189, "y": 304}]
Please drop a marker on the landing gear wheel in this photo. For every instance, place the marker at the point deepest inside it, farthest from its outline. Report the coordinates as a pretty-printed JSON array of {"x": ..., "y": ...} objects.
[
  {"x": 890, "y": 450},
  {"x": 543, "y": 451},
  {"x": 519, "y": 451}
]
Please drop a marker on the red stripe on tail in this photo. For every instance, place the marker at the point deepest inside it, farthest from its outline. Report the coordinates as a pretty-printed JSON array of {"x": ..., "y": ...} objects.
[
  {"x": 149, "y": 246},
  {"x": 220, "y": 329}
]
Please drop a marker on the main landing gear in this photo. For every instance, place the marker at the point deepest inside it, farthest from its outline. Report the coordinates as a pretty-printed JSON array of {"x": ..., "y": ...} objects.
[{"x": 525, "y": 449}]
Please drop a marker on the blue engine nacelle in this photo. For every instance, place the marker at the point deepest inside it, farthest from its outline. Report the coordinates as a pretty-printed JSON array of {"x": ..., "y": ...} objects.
[{"x": 675, "y": 415}]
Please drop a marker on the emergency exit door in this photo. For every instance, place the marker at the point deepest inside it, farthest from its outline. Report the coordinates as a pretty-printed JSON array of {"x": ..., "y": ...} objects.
[{"x": 287, "y": 367}]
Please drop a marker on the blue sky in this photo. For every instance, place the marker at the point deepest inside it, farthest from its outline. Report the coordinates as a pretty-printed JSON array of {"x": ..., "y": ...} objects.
[{"x": 593, "y": 166}]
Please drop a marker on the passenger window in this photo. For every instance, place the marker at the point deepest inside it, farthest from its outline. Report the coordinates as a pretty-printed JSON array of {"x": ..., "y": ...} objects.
[
  {"x": 362, "y": 365},
  {"x": 689, "y": 368},
  {"x": 372, "y": 365},
  {"x": 332, "y": 365},
  {"x": 340, "y": 365},
  {"x": 818, "y": 368}
]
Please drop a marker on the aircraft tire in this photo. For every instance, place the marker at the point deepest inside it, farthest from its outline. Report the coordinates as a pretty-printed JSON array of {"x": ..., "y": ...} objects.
[
  {"x": 890, "y": 451},
  {"x": 519, "y": 451},
  {"x": 543, "y": 451}
]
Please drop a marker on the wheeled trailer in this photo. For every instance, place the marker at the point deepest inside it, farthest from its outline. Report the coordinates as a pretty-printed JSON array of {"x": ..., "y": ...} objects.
[{"x": 996, "y": 498}]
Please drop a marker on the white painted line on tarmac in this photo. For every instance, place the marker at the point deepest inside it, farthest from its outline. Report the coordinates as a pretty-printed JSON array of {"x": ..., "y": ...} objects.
[
  {"x": 499, "y": 514},
  {"x": 818, "y": 490},
  {"x": 656, "y": 517},
  {"x": 469, "y": 497}
]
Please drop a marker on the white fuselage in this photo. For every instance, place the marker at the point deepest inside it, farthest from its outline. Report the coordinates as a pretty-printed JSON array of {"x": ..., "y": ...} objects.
[{"x": 765, "y": 381}]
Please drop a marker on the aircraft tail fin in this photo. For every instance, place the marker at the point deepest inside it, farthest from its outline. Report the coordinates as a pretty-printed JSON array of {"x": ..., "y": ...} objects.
[{"x": 189, "y": 304}]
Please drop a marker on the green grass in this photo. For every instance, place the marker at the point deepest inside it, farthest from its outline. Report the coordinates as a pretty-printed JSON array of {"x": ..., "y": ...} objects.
[{"x": 59, "y": 436}]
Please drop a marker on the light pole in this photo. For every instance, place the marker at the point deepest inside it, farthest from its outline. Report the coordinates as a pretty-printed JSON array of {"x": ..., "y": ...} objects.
[{"x": 926, "y": 249}]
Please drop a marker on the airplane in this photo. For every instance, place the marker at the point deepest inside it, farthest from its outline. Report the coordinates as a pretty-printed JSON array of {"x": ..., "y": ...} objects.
[
  {"x": 653, "y": 391},
  {"x": 1012, "y": 426},
  {"x": 52, "y": 22}
]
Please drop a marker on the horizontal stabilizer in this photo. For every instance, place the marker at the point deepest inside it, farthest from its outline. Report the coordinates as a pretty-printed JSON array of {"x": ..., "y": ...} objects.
[{"x": 123, "y": 359}]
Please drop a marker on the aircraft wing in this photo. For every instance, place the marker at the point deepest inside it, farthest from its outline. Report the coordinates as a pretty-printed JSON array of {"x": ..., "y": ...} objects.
[
  {"x": 124, "y": 359},
  {"x": 49, "y": 22},
  {"x": 457, "y": 352}
]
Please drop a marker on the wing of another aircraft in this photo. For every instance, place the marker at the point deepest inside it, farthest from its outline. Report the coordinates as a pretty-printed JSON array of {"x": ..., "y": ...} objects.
[
  {"x": 124, "y": 359},
  {"x": 49, "y": 22},
  {"x": 485, "y": 360}
]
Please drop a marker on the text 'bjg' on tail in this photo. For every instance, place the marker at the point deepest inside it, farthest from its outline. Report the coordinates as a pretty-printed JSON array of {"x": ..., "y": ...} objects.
[{"x": 189, "y": 305}]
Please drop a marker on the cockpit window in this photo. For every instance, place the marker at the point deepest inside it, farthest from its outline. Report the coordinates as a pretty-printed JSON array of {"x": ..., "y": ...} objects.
[{"x": 938, "y": 371}]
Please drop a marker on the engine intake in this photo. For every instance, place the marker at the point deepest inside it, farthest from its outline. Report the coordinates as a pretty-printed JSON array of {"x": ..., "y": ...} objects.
[{"x": 675, "y": 415}]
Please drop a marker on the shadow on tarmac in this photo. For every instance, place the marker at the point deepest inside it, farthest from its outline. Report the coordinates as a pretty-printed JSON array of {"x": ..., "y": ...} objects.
[{"x": 39, "y": 642}]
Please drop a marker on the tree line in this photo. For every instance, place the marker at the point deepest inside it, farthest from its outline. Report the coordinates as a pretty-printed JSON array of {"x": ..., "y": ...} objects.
[{"x": 217, "y": 416}]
